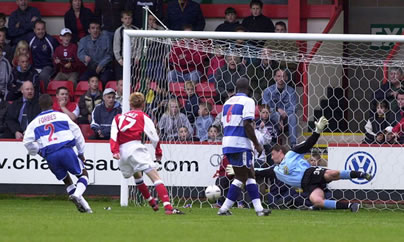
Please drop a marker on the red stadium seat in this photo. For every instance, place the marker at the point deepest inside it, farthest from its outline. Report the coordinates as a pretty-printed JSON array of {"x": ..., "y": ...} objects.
[
  {"x": 181, "y": 102},
  {"x": 57, "y": 37},
  {"x": 82, "y": 88},
  {"x": 86, "y": 130},
  {"x": 54, "y": 99},
  {"x": 77, "y": 99},
  {"x": 54, "y": 85},
  {"x": 177, "y": 88},
  {"x": 111, "y": 84},
  {"x": 205, "y": 89},
  {"x": 207, "y": 100},
  {"x": 153, "y": 85},
  {"x": 216, "y": 109}
]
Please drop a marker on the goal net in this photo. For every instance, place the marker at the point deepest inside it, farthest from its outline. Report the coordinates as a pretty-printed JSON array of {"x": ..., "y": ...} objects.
[{"x": 352, "y": 80}]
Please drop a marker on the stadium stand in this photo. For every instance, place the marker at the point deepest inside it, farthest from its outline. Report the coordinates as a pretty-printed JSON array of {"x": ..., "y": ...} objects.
[
  {"x": 205, "y": 89},
  {"x": 86, "y": 130},
  {"x": 54, "y": 85},
  {"x": 82, "y": 88},
  {"x": 111, "y": 84},
  {"x": 177, "y": 88}
]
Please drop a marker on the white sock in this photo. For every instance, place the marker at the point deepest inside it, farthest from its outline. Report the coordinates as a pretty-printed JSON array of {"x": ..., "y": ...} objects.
[
  {"x": 257, "y": 205},
  {"x": 70, "y": 189},
  {"x": 81, "y": 187},
  {"x": 84, "y": 203},
  {"x": 226, "y": 205}
]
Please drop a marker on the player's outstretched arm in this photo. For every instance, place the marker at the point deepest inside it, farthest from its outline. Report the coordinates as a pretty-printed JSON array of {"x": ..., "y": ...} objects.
[
  {"x": 312, "y": 140},
  {"x": 29, "y": 140},
  {"x": 265, "y": 172},
  {"x": 151, "y": 132},
  {"x": 78, "y": 136},
  {"x": 250, "y": 132},
  {"x": 113, "y": 141}
]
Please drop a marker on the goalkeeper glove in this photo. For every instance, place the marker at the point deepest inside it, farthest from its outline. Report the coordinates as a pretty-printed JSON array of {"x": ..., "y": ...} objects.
[
  {"x": 321, "y": 124},
  {"x": 229, "y": 170}
]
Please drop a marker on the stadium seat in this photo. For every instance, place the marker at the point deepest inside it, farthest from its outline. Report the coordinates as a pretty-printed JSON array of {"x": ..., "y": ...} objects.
[
  {"x": 216, "y": 109},
  {"x": 86, "y": 130},
  {"x": 181, "y": 101},
  {"x": 57, "y": 37},
  {"x": 54, "y": 85},
  {"x": 111, "y": 84},
  {"x": 54, "y": 99},
  {"x": 82, "y": 88},
  {"x": 77, "y": 99},
  {"x": 205, "y": 89},
  {"x": 207, "y": 100},
  {"x": 153, "y": 85},
  {"x": 257, "y": 111},
  {"x": 42, "y": 87},
  {"x": 177, "y": 88}
]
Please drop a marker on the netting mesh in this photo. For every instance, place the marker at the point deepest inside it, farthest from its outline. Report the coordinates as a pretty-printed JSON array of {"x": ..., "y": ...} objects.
[{"x": 186, "y": 82}]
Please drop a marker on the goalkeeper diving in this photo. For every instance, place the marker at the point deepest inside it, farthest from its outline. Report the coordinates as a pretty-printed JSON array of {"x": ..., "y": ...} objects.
[{"x": 292, "y": 169}]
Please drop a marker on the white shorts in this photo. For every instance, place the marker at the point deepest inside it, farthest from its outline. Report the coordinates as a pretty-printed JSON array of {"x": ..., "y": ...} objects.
[{"x": 134, "y": 157}]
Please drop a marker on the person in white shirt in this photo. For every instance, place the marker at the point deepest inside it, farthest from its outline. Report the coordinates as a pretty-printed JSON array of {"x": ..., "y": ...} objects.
[{"x": 53, "y": 135}]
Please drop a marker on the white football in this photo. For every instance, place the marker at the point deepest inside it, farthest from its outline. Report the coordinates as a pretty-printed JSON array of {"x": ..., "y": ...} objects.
[{"x": 212, "y": 193}]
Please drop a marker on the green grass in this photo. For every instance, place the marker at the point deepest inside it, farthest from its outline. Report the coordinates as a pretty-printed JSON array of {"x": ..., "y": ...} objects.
[{"x": 55, "y": 219}]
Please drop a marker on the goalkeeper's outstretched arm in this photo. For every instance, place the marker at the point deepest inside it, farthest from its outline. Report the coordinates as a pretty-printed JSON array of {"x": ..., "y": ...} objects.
[{"x": 312, "y": 140}]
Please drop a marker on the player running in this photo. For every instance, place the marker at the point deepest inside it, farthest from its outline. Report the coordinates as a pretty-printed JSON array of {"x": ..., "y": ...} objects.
[
  {"x": 53, "y": 135},
  {"x": 238, "y": 119},
  {"x": 126, "y": 146},
  {"x": 295, "y": 171}
]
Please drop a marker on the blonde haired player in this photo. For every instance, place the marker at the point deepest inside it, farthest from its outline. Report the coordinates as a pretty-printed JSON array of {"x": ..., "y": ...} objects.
[{"x": 127, "y": 147}]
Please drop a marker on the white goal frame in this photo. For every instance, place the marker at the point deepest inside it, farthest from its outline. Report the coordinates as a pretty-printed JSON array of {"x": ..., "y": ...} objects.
[{"x": 127, "y": 53}]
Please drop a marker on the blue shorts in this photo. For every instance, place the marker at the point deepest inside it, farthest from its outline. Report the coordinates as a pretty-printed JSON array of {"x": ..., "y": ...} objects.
[
  {"x": 241, "y": 159},
  {"x": 63, "y": 161}
]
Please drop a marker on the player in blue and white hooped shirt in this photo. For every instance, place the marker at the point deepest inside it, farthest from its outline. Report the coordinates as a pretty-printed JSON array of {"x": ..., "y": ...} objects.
[
  {"x": 53, "y": 135},
  {"x": 238, "y": 139}
]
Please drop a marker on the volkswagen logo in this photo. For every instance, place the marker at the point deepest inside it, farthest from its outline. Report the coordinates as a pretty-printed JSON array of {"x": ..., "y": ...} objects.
[{"x": 361, "y": 161}]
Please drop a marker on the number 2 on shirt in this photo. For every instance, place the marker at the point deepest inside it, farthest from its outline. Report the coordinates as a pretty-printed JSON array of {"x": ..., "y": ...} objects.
[{"x": 52, "y": 131}]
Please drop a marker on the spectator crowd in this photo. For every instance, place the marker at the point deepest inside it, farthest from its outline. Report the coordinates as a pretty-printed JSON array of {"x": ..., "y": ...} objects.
[{"x": 86, "y": 59}]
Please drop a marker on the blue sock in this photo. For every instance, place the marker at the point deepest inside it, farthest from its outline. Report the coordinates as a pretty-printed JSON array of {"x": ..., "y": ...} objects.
[
  {"x": 83, "y": 180},
  {"x": 344, "y": 174},
  {"x": 330, "y": 204},
  {"x": 233, "y": 192},
  {"x": 252, "y": 190}
]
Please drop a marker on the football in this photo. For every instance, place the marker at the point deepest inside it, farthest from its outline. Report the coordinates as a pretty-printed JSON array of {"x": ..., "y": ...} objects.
[{"x": 212, "y": 193}]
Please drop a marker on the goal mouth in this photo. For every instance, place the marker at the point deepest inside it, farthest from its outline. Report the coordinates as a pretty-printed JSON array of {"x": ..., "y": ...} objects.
[{"x": 342, "y": 77}]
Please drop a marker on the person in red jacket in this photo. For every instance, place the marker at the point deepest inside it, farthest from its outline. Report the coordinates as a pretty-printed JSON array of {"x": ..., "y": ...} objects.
[
  {"x": 127, "y": 147},
  {"x": 186, "y": 63},
  {"x": 64, "y": 105},
  {"x": 65, "y": 58}
]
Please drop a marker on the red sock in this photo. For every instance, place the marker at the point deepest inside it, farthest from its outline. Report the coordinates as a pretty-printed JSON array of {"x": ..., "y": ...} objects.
[
  {"x": 163, "y": 195},
  {"x": 144, "y": 190}
]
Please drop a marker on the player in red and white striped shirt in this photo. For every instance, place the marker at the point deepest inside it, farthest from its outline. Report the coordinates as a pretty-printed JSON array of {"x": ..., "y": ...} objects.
[{"x": 134, "y": 158}]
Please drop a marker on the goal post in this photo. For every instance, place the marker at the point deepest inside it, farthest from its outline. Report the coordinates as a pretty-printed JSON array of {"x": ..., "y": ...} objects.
[{"x": 337, "y": 77}]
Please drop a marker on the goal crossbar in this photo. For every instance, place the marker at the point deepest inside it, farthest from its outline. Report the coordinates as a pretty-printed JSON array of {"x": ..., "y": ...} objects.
[{"x": 265, "y": 36}]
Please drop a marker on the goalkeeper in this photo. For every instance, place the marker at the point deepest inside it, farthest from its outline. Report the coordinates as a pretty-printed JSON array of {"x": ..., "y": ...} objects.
[{"x": 295, "y": 171}]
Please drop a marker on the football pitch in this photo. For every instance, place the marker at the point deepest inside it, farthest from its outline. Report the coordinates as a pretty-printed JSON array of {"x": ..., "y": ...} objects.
[{"x": 50, "y": 219}]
